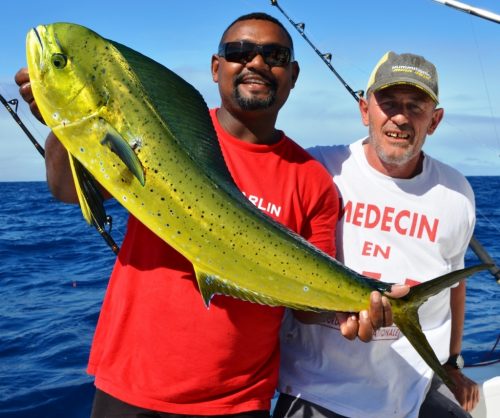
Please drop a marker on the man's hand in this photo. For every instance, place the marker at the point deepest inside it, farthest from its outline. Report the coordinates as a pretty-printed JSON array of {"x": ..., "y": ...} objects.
[
  {"x": 368, "y": 321},
  {"x": 22, "y": 79},
  {"x": 466, "y": 391}
]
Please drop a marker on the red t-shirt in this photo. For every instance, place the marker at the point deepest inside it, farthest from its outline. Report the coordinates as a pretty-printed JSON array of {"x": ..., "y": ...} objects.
[{"x": 156, "y": 346}]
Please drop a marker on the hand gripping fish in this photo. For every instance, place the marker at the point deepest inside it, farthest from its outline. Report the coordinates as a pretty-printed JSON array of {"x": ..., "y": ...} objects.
[{"x": 146, "y": 136}]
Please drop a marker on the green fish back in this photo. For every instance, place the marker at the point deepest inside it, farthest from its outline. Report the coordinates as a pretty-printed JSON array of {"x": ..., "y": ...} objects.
[{"x": 185, "y": 112}]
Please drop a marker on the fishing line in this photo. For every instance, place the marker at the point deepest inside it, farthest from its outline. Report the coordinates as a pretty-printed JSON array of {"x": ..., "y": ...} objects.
[
  {"x": 489, "y": 221},
  {"x": 105, "y": 234},
  {"x": 481, "y": 66},
  {"x": 485, "y": 361}
]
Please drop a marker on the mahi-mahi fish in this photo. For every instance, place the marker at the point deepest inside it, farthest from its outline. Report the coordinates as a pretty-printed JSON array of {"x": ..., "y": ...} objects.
[{"x": 146, "y": 136}]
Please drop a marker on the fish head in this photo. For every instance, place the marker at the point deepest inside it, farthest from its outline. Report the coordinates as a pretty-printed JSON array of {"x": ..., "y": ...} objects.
[{"x": 64, "y": 63}]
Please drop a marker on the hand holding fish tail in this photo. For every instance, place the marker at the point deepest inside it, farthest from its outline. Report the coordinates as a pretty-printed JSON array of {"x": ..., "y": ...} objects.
[
  {"x": 23, "y": 81},
  {"x": 364, "y": 324},
  {"x": 360, "y": 325},
  {"x": 379, "y": 314}
]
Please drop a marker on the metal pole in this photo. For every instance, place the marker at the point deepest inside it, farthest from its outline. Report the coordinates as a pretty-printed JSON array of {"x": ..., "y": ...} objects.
[{"x": 485, "y": 14}]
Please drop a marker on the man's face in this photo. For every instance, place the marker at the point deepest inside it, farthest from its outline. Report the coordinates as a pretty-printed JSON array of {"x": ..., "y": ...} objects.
[
  {"x": 254, "y": 85},
  {"x": 399, "y": 118}
]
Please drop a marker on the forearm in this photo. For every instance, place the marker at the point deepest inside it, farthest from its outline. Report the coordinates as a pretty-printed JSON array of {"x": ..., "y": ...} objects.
[
  {"x": 466, "y": 391},
  {"x": 58, "y": 171},
  {"x": 457, "y": 304}
]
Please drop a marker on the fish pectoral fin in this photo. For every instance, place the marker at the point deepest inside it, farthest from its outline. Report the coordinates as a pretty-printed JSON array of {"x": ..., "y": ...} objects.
[
  {"x": 119, "y": 145},
  {"x": 89, "y": 196}
]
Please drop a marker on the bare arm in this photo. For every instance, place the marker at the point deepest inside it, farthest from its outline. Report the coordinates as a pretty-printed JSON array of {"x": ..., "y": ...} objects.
[
  {"x": 466, "y": 391},
  {"x": 58, "y": 171}
]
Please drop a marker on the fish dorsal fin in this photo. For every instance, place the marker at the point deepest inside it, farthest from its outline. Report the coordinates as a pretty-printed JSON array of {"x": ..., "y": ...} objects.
[
  {"x": 184, "y": 111},
  {"x": 89, "y": 196}
]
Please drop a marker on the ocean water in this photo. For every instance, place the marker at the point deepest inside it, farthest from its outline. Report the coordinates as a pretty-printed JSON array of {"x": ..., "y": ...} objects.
[{"x": 53, "y": 274}]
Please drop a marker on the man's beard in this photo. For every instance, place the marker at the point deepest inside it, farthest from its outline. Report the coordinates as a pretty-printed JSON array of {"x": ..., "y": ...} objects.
[
  {"x": 395, "y": 160},
  {"x": 254, "y": 103}
]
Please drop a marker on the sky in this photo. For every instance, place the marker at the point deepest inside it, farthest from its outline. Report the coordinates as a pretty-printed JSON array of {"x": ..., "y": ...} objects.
[{"x": 183, "y": 34}]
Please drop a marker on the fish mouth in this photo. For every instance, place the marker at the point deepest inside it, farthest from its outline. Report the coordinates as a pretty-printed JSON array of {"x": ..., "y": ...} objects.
[
  {"x": 38, "y": 37},
  {"x": 39, "y": 45}
]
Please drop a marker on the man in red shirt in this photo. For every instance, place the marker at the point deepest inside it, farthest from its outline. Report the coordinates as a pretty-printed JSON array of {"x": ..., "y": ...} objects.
[{"x": 157, "y": 350}]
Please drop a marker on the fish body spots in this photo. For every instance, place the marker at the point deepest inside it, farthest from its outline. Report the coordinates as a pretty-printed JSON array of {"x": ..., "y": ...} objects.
[{"x": 135, "y": 143}]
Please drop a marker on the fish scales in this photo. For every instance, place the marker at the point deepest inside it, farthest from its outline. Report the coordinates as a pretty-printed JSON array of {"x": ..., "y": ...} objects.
[{"x": 146, "y": 136}]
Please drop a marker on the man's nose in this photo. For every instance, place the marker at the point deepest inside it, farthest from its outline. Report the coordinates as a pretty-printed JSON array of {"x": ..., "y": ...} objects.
[
  {"x": 257, "y": 62},
  {"x": 400, "y": 114}
]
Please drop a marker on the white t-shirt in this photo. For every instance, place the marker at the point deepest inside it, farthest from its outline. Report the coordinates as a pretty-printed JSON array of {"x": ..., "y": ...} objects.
[{"x": 399, "y": 231}]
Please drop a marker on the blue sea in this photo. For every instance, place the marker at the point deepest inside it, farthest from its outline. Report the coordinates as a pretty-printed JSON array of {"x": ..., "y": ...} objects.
[{"x": 53, "y": 274}]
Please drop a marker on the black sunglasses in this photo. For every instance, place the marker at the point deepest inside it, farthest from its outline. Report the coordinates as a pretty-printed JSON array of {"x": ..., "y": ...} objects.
[{"x": 243, "y": 52}]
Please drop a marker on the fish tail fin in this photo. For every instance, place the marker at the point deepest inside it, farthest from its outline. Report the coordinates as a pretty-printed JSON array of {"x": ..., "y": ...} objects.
[
  {"x": 409, "y": 325},
  {"x": 423, "y": 291},
  {"x": 406, "y": 315}
]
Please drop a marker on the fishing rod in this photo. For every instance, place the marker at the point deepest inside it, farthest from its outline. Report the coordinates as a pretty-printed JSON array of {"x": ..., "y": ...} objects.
[
  {"x": 483, "y": 255},
  {"x": 13, "y": 113},
  {"x": 475, "y": 11},
  {"x": 325, "y": 57},
  {"x": 88, "y": 179}
]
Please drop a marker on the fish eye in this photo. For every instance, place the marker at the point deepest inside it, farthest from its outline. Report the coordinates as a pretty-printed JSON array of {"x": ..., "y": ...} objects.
[{"x": 59, "y": 61}]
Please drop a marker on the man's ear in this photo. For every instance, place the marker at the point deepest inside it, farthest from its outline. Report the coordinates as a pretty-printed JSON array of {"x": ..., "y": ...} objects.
[
  {"x": 437, "y": 117},
  {"x": 215, "y": 68},
  {"x": 363, "y": 109},
  {"x": 295, "y": 72}
]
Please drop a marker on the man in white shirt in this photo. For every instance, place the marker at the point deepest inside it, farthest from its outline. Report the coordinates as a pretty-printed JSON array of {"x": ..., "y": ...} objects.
[{"x": 405, "y": 218}]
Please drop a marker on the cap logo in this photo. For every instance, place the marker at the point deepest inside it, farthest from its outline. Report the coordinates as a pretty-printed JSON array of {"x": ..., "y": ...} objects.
[{"x": 409, "y": 69}]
